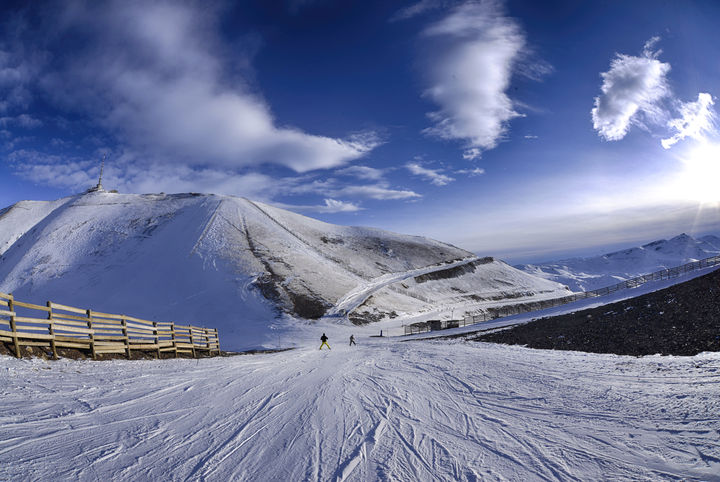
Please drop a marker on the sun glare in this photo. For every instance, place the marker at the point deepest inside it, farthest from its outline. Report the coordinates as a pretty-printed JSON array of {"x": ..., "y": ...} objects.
[{"x": 700, "y": 178}]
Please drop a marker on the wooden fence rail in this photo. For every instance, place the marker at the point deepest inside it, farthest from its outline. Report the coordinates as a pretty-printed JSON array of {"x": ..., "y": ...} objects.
[
  {"x": 515, "y": 309},
  {"x": 60, "y": 326}
]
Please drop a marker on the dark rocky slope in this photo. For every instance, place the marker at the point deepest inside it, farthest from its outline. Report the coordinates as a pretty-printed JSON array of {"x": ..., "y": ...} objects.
[{"x": 680, "y": 320}]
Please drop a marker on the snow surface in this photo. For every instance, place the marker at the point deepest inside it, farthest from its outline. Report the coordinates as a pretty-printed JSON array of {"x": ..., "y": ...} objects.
[
  {"x": 386, "y": 409},
  {"x": 586, "y": 274},
  {"x": 381, "y": 410},
  {"x": 363, "y": 291},
  {"x": 19, "y": 218},
  {"x": 210, "y": 260},
  {"x": 395, "y": 328}
]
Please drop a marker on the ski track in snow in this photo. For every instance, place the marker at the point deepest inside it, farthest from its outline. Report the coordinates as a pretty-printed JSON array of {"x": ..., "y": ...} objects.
[{"x": 383, "y": 410}]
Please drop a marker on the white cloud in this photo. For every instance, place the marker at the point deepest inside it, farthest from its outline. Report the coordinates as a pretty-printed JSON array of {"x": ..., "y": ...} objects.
[
  {"x": 16, "y": 72},
  {"x": 696, "y": 120},
  {"x": 379, "y": 192},
  {"x": 362, "y": 172},
  {"x": 154, "y": 74},
  {"x": 435, "y": 176},
  {"x": 333, "y": 188},
  {"x": 529, "y": 136},
  {"x": 471, "y": 172},
  {"x": 470, "y": 154},
  {"x": 124, "y": 173},
  {"x": 535, "y": 69},
  {"x": 53, "y": 170},
  {"x": 334, "y": 206},
  {"x": 157, "y": 178},
  {"x": 331, "y": 206},
  {"x": 631, "y": 92},
  {"x": 418, "y": 8},
  {"x": 472, "y": 53},
  {"x": 22, "y": 120}
]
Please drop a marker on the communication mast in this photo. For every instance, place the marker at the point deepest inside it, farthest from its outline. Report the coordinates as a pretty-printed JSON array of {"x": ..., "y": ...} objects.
[{"x": 99, "y": 187}]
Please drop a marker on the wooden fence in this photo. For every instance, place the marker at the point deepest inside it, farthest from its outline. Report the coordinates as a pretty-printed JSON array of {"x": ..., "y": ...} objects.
[
  {"x": 59, "y": 326},
  {"x": 517, "y": 308}
]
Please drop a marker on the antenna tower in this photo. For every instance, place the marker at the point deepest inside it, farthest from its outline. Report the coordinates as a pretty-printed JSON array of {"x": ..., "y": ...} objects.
[{"x": 99, "y": 187}]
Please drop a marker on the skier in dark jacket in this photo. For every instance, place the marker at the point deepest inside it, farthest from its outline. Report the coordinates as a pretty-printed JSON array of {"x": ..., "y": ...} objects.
[
  {"x": 324, "y": 340},
  {"x": 352, "y": 340}
]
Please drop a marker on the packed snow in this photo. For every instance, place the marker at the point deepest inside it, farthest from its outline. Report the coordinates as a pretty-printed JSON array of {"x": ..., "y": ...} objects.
[
  {"x": 234, "y": 264},
  {"x": 586, "y": 274},
  {"x": 390, "y": 408},
  {"x": 381, "y": 410}
]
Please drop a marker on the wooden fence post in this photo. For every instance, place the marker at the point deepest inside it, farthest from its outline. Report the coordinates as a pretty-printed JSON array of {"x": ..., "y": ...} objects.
[
  {"x": 172, "y": 337},
  {"x": 157, "y": 340},
  {"x": 13, "y": 328},
  {"x": 92, "y": 335},
  {"x": 192, "y": 342},
  {"x": 123, "y": 323},
  {"x": 51, "y": 330}
]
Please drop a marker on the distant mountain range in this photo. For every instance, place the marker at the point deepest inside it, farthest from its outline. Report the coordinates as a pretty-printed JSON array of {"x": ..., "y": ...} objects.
[
  {"x": 584, "y": 274},
  {"x": 239, "y": 265}
]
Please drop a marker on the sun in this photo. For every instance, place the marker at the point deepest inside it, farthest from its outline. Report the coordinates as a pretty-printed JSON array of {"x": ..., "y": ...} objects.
[{"x": 700, "y": 178}]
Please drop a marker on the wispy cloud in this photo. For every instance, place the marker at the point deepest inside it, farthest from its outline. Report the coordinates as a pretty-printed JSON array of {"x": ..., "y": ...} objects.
[
  {"x": 330, "y": 206},
  {"x": 477, "y": 171},
  {"x": 52, "y": 170},
  {"x": 631, "y": 92},
  {"x": 335, "y": 206},
  {"x": 16, "y": 72},
  {"x": 470, "y": 154},
  {"x": 23, "y": 120},
  {"x": 379, "y": 191},
  {"x": 419, "y": 8},
  {"x": 435, "y": 176},
  {"x": 697, "y": 119},
  {"x": 124, "y": 173},
  {"x": 362, "y": 172},
  {"x": 156, "y": 76},
  {"x": 471, "y": 56}
]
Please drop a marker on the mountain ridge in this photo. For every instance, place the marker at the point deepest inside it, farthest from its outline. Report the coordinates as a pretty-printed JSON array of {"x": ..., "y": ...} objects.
[
  {"x": 593, "y": 272},
  {"x": 238, "y": 264}
]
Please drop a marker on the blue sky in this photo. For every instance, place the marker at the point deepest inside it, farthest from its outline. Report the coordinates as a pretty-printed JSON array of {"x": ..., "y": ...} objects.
[{"x": 521, "y": 129}]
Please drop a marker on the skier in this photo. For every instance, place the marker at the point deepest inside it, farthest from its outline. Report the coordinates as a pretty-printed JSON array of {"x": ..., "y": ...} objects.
[
  {"x": 352, "y": 340},
  {"x": 324, "y": 342}
]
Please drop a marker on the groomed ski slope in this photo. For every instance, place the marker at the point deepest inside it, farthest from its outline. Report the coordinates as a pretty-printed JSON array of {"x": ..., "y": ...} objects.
[{"x": 382, "y": 410}]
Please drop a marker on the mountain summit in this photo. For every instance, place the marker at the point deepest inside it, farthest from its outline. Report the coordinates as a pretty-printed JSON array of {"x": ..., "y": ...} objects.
[{"x": 237, "y": 264}]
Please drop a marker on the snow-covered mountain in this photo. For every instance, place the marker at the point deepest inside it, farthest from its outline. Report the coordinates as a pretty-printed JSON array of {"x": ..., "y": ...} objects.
[
  {"x": 584, "y": 274},
  {"x": 235, "y": 264}
]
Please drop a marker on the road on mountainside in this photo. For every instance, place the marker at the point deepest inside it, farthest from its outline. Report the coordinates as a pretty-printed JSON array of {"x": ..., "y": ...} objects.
[
  {"x": 364, "y": 290},
  {"x": 381, "y": 410}
]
